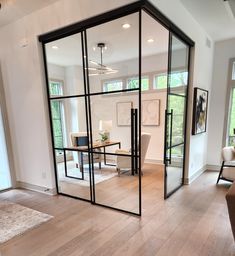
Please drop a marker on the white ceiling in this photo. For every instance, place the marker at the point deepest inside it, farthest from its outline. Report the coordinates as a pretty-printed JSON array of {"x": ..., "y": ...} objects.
[
  {"x": 121, "y": 44},
  {"x": 213, "y": 16},
  {"x": 13, "y": 10}
]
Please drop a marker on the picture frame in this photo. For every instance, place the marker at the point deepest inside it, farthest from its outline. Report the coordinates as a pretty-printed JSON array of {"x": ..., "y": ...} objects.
[
  {"x": 123, "y": 113},
  {"x": 200, "y": 110},
  {"x": 151, "y": 112}
]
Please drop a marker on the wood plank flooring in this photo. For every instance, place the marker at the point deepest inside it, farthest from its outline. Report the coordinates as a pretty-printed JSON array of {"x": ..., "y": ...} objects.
[{"x": 194, "y": 221}]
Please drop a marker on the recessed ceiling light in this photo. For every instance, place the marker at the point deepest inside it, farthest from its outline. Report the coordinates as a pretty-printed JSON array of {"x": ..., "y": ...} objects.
[
  {"x": 126, "y": 25},
  {"x": 150, "y": 40},
  {"x": 55, "y": 47}
]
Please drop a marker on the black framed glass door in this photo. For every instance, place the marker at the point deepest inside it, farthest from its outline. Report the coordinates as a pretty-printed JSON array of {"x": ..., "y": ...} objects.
[
  {"x": 94, "y": 114},
  {"x": 176, "y": 114},
  {"x": 113, "y": 111}
]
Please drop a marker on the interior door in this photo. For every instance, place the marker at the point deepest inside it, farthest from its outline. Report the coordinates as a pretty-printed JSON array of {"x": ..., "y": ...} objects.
[
  {"x": 176, "y": 113},
  {"x": 113, "y": 81}
]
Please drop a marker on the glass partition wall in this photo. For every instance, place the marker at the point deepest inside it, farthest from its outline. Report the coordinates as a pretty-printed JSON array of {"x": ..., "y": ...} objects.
[
  {"x": 95, "y": 75},
  {"x": 94, "y": 115}
]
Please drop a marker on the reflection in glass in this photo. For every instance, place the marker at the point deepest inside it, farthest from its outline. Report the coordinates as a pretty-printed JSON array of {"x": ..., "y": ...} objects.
[
  {"x": 176, "y": 106},
  {"x": 73, "y": 178},
  {"x": 118, "y": 141},
  {"x": 174, "y": 168},
  {"x": 178, "y": 75},
  {"x": 113, "y": 54},
  {"x": 65, "y": 66}
]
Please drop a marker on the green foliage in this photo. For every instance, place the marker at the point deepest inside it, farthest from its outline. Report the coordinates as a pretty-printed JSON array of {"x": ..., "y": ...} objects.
[
  {"x": 104, "y": 137},
  {"x": 112, "y": 86},
  {"x": 57, "y": 124},
  {"x": 177, "y": 104},
  {"x": 134, "y": 83},
  {"x": 175, "y": 79},
  {"x": 56, "y": 89}
]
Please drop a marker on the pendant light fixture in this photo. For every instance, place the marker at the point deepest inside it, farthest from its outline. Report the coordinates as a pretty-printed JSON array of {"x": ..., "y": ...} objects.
[{"x": 100, "y": 68}]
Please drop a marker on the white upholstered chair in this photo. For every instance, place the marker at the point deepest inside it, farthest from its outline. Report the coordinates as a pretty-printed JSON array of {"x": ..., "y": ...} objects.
[
  {"x": 124, "y": 163},
  {"x": 227, "y": 171},
  {"x": 81, "y": 158}
]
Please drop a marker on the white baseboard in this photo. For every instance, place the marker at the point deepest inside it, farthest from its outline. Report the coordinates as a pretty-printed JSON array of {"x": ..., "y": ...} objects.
[
  {"x": 193, "y": 177},
  {"x": 36, "y": 188},
  {"x": 211, "y": 167}
]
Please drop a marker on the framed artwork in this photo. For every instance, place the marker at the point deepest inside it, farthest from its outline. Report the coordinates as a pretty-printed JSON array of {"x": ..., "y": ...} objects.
[
  {"x": 200, "y": 109},
  {"x": 124, "y": 113},
  {"x": 151, "y": 112}
]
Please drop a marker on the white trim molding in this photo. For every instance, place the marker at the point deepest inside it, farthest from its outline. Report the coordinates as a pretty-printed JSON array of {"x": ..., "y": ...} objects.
[
  {"x": 193, "y": 177},
  {"x": 213, "y": 168},
  {"x": 40, "y": 189}
]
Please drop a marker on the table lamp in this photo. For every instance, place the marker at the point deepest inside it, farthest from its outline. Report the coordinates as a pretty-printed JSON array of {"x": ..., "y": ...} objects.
[{"x": 105, "y": 128}]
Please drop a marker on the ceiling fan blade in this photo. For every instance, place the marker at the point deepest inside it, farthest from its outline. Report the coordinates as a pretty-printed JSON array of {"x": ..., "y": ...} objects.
[
  {"x": 94, "y": 74},
  {"x": 95, "y": 63},
  {"x": 111, "y": 72},
  {"x": 93, "y": 69}
]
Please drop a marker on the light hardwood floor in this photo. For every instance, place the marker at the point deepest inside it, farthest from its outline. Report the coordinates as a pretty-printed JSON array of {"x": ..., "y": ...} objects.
[{"x": 194, "y": 221}]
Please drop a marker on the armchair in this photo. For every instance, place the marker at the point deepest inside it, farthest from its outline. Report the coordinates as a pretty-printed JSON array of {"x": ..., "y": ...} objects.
[
  {"x": 125, "y": 162},
  {"x": 227, "y": 170},
  {"x": 81, "y": 158}
]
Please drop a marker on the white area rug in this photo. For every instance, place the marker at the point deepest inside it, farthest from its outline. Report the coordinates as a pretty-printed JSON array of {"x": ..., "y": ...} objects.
[
  {"x": 101, "y": 175},
  {"x": 16, "y": 219}
]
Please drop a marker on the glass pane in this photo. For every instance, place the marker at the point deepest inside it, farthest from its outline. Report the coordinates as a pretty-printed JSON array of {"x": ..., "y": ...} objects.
[
  {"x": 176, "y": 106},
  {"x": 111, "y": 132},
  {"x": 74, "y": 178},
  {"x": 56, "y": 88},
  {"x": 70, "y": 136},
  {"x": 160, "y": 81},
  {"x": 65, "y": 66},
  {"x": 232, "y": 120},
  {"x": 178, "y": 75},
  {"x": 134, "y": 83},
  {"x": 113, "y": 54},
  {"x": 174, "y": 169},
  {"x": 112, "y": 85}
]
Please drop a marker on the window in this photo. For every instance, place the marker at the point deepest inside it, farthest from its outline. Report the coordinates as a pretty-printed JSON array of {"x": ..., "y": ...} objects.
[
  {"x": 56, "y": 89},
  {"x": 160, "y": 81},
  {"x": 230, "y": 135},
  {"x": 133, "y": 83},
  {"x": 178, "y": 78},
  {"x": 231, "y": 130},
  {"x": 111, "y": 86},
  {"x": 233, "y": 71}
]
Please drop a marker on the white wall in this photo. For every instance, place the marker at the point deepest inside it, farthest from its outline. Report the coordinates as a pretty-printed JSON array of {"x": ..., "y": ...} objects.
[
  {"x": 202, "y": 74},
  {"x": 224, "y": 50},
  {"x": 25, "y": 86},
  {"x": 104, "y": 107}
]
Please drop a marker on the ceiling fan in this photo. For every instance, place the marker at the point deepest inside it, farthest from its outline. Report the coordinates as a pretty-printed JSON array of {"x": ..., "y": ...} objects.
[{"x": 100, "y": 68}]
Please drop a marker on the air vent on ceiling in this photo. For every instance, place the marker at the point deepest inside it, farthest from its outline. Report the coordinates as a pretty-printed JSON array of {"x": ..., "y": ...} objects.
[{"x": 230, "y": 7}]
